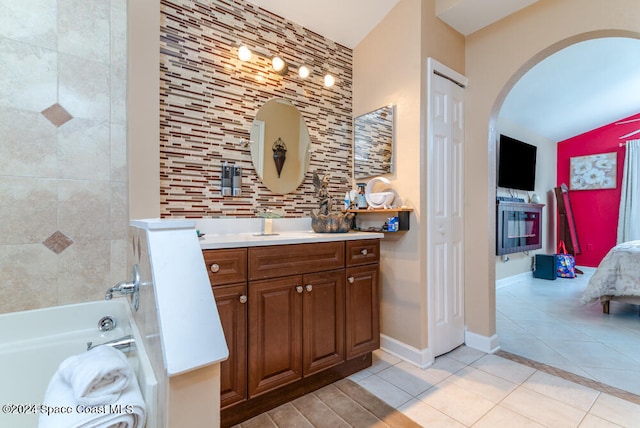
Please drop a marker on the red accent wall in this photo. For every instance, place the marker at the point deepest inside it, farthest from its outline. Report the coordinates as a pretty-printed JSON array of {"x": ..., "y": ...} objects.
[{"x": 595, "y": 211}]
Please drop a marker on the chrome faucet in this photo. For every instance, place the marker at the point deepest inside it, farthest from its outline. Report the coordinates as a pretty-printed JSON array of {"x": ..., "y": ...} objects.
[
  {"x": 124, "y": 344},
  {"x": 124, "y": 288}
]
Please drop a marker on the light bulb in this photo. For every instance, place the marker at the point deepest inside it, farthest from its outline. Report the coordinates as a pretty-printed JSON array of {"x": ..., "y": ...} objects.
[
  {"x": 244, "y": 54},
  {"x": 329, "y": 80},
  {"x": 303, "y": 71},
  {"x": 278, "y": 63}
]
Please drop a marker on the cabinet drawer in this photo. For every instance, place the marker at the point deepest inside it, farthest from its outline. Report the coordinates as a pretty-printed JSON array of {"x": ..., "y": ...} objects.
[
  {"x": 282, "y": 260},
  {"x": 363, "y": 252},
  {"x": 226, "y": 266}
]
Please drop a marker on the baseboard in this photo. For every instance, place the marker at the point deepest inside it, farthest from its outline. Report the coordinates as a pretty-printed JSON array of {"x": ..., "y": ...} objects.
[
  {"x": 485, "y": 344},
  {"x": 505, "y": 282},
  {"x": 420, "y": 358}
]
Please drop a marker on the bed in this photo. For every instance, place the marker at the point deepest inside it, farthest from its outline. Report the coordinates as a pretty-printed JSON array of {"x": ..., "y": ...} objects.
[{"x": 617, "y": 277}]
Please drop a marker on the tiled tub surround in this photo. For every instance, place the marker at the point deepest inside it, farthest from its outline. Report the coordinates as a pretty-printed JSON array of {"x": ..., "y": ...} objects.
[
  {"x": 209, "y": 98},
  {"x": 63, "y": 168}
]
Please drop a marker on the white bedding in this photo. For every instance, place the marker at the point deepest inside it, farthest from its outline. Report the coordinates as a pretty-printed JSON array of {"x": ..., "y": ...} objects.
[{"x": 617, "y": 275}]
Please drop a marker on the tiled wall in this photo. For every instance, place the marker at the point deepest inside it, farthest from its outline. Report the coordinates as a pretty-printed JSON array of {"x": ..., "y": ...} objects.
[
  {"x": 209, "y": 99},
  {"x": 63, "y": 169}
]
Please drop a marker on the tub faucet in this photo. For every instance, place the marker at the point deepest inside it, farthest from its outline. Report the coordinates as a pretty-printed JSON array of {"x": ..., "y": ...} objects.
[
  {"x": 124, "y": 288},
  {"x": 124, "y": 344}
]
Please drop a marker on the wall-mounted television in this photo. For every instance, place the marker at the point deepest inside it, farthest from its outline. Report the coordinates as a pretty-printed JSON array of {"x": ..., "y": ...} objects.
[{"x": 516, "y": 164}]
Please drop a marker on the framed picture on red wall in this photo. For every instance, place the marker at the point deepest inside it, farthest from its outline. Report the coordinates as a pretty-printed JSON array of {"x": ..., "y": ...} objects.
[{"x": 593, "y": 172}]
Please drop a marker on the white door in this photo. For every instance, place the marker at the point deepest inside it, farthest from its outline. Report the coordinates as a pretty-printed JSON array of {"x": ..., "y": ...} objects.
[{"x": 445, "y": 204}]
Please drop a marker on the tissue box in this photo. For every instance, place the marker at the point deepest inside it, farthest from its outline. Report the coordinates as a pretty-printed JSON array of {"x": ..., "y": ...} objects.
[{"x": 393, "y": 224}]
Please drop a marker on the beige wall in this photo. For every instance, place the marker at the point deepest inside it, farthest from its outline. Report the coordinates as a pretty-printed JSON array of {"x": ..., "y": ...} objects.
[
  {"x": 519, "y": 263},
  {"x": 495, "y": 57},
  {"x": 389, "y": 67}
]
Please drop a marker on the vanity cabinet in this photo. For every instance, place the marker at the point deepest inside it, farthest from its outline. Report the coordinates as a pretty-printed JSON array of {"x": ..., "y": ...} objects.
[
  {"x": 362, "y": 303},
  {"x": 296, "y": 328},
  {"x": 296, "y": 317},
  {"x": 232, "y": 309},
  {"x": 228, "y": 276}
]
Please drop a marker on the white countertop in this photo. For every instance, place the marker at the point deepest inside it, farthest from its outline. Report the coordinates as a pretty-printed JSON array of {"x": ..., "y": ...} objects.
[
  {"x": 209, "y": 242},
  {"x": 246, "y": 232}
]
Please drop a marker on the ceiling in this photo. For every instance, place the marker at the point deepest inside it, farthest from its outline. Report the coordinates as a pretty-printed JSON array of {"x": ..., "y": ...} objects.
[
  {"x": 578, "y": 89},
  {"x": 346, "y": 22},
  {"x": 469, "y": 16}
]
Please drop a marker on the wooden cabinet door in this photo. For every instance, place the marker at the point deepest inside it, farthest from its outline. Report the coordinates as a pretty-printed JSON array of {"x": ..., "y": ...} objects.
[
  {"x": 323, "y": 321},
  {"x": 362, "y": 312},
  {"x": 275, "y": 333},
  {"x": 232, "y": 309}
]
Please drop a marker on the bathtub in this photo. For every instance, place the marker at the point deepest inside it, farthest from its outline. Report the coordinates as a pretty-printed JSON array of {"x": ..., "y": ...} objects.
[{"x": 34, "y": 343}]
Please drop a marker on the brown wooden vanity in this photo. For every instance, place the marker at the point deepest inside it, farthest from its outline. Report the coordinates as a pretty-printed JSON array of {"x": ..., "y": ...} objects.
[{"x": 296, "y": 317}]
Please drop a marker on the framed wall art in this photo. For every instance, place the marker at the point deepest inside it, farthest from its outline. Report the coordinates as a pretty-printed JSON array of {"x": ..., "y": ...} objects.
[{"x": 593, "y": 172}]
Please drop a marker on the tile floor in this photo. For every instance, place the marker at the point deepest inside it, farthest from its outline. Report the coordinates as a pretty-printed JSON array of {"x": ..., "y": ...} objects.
[
  {"x": 544, "y": 321},
  {"x": 541, "y": 321},
  {"x": 468, "y": 388}
]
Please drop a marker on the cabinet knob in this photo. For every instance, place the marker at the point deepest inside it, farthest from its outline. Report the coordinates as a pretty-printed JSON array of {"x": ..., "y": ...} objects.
[
  {"x": 364, "y": 252},
  {"x": 243, "y": 299},
  {"x": 309, "y": 287},
  {"x": 299, "y": 289},
  {"x": 351, "y": 280},
  {"x": 214, "y": 268}
]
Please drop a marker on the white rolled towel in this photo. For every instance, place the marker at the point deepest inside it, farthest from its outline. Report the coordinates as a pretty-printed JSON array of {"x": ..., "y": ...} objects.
[
  {"x": 60, "y": 410},
  {"x": 97, "y": 376}
]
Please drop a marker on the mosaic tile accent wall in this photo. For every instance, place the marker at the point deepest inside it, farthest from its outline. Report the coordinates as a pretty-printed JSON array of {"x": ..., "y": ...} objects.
[
  {"x": 63, "y": 166},
  {"x": 209, "y": 97}
]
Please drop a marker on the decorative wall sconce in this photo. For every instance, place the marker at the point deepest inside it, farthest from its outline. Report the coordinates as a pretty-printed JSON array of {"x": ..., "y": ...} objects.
[{"x": 279, "y": 154}]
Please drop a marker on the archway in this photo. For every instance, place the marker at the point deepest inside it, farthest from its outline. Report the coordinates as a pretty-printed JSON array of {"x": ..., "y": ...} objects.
[{"x": 493, "y": 128}]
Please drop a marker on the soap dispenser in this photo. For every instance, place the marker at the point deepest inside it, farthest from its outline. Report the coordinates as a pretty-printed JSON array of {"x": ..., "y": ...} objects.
[
  {"x": 226, "y": 180},
  {"x": 237, "y": 180}
]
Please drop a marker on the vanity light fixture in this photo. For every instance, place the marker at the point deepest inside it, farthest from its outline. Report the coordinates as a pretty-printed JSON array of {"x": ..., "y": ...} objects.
[
  {"x": 244, "y": 53},
  {"x": 279, "y": 65},
  {"x": 303, "y": 71},
  {"x": 329, "y": 80}
]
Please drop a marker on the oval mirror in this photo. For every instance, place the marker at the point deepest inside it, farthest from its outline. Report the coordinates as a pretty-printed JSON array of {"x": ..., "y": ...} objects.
[{"x": 280, "y": 146}]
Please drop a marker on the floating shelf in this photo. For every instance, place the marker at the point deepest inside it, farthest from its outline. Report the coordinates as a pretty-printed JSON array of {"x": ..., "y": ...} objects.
[{"x": 403, "y": 215}]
